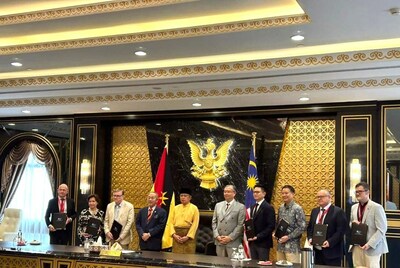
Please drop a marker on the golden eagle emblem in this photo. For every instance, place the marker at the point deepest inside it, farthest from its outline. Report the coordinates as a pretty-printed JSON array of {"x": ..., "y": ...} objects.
[{"x": 209, "y": 164}]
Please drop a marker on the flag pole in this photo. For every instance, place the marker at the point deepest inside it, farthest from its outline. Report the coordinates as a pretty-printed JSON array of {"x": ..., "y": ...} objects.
[
  {"x": 253, "y": 141},
  {"x": 166, "y": 141}
]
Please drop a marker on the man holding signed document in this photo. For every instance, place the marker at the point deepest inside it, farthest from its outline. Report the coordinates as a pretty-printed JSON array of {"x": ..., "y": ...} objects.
[
  {"x": 262, "y": 219},
  {"x": 291, "y": 217},
  {"x": 326, "y": 231},
  {"x": 59, "y": 216},
  {"x": 118, "y": 220},
  {"x": 368, "y": 222}
]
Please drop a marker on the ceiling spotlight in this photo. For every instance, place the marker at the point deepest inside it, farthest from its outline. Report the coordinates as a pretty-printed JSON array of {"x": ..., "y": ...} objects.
[
  {"x": 304, "y": 99},
  {"x": 82, "y": 138},
  {"x": 35, "y": 129},
  {"x": 395, "y": 11},
  {"x": 158, "y": 124},
  {"x": 16, "y": 64},
  {"x": 297, "y": 37},
  {"x": 140, "y": 53},
  {"x": 11, "y": 124},
  {"x": 180, "y": 130},
  {"x": 105, "y": 108},
  {"x": 196, "y": 104},
  {"x": 26, "y": 111}
]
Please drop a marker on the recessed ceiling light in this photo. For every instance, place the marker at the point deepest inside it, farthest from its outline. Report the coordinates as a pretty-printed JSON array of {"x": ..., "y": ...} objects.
[
  {"x": 304, "y": 99},
  {"x": 82, "y": 138},
  {"x": 297, "y": 37},
  {"x": 105, "y": 108},
  {"x": 395, "y": 11},
  {"x": 61, "y": 122},
  {"x": 16, "y": 64},
  {"x": 158, "y": 124},
  {"x": 198, "y": 134},
  {"x": 26, "y": 111},
  {"x": 180, "y": 130},
  {"x": 35, "y": 129},
  {"x": 140, "y": 53},
  {"x": 196, "y": 104},
  {"x": 11, "y": 124}
]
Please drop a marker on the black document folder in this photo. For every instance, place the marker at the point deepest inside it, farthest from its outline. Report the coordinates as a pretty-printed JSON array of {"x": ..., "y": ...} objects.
[
  {"x": 116, "y": 229},
  {"x": 281, "y": 228},
  {"x": 249, "y": 228},
  {"x": 358, "y": 234},
  {"x": 59, "y": 221},
  {"x": 93, "y": 226},
  {"x": 319, "y": 234}
]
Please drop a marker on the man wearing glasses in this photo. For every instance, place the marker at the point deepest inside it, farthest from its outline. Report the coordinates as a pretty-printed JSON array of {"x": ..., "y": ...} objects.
[
  {"x": 332, "y": 249},
  {"x": 122, "y": 212},
  {"x": 373, "y": 215}
]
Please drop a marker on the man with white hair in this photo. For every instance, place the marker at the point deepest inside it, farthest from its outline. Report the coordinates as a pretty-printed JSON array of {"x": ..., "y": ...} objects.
[{"x": 61, "y": 204}]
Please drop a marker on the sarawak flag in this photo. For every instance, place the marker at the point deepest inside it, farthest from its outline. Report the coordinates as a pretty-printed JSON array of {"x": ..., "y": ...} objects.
[
  {"x": 252, "y": 180},
  {"x": 166, "y": 198}
]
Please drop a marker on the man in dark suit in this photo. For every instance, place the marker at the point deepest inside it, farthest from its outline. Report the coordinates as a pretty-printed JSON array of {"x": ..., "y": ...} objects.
[
  {"x": 263, "y": 215},
  {"x": 150, "y": 224},
  {"x": 61, "y": 204},
  {"x": 332, "y": 250}
]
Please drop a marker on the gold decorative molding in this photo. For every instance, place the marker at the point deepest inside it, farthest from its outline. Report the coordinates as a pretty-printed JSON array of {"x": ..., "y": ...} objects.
[
  {"x": 196, "y": 31},
  {"x": 215, "y": 69},
  {"x": 82, "y": 10},
  {"x": 215, "y": 92}
]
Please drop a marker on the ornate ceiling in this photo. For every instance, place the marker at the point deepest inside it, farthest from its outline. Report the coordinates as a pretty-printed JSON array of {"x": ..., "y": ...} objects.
[{"x": 78, "y": 56}]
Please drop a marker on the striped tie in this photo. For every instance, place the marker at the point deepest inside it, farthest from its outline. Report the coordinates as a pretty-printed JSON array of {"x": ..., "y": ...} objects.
[{"x": 149, "y": 214}]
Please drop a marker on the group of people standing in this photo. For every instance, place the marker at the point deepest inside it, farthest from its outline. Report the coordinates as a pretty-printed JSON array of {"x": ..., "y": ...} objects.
[{"x": 228, "y": 224}]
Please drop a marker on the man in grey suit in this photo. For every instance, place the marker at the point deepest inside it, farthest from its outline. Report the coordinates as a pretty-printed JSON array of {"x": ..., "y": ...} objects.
[
  {"x": 227, "y": 223},
  {"x": 373, "y": 215}
]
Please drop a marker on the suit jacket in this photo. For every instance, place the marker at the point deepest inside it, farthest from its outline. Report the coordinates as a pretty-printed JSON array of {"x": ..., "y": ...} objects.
[
  {"x": 125, "y": 218},
  {"x": 155, "y": 226},
  {"x": 229, "y": 222},
  {"x": 375, "y": 218},
  {"x": 337, "y": 226},
  {"x": 264, "y": 225},
  {"x": 52, "y": 207}
]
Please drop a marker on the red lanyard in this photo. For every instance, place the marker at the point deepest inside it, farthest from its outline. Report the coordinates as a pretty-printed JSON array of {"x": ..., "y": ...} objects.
[
  {"x": 360, "y": 212},
  {"x": 322, "y": 215}
]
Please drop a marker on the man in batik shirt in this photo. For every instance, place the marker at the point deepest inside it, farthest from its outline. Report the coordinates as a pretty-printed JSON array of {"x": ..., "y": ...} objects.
[{"x": 293, "y": 213}]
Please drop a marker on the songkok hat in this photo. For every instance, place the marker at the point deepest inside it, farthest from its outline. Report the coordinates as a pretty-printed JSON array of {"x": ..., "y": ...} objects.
[{"x": 185, "y": 191}]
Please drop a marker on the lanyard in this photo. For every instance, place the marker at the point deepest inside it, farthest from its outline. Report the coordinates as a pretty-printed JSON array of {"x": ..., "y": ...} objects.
[{"x": 360, "y": 211}]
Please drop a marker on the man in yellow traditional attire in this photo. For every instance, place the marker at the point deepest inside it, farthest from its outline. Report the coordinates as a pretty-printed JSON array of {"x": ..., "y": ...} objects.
[{"x": 185, "y": 222}]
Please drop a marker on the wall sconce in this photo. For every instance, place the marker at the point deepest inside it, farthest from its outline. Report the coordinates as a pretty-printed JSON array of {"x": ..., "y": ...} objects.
[
  {"x": 355, "y": 177},
  {"x": 85, "y": 173}
]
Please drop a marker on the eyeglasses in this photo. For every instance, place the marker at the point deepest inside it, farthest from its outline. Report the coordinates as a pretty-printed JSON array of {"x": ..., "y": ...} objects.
[
  {"x": 360, "y": 191},
  {"x": 117, "y": 195}
]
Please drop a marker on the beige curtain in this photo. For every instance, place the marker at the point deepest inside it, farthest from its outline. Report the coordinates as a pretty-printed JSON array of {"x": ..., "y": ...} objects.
[{"x": 14, "y": 165}]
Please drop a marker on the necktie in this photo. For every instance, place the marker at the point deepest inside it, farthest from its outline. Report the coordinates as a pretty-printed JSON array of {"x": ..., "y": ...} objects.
[
  {"x": 255, "y": 209},
  {"x": 149, "y": 214},
  {"x": 116, "y": 212},
  {"x": 321, "y": 216},
  {"x": 62, "y": 206},
  {"x": 227, "y": 206}
]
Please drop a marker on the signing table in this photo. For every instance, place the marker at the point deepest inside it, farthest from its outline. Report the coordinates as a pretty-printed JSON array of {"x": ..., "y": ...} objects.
[{"x": 51, "y": 256}]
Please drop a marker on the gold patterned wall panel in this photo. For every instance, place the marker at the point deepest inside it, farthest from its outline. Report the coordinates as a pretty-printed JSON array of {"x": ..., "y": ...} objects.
[
  {"x": 12, "y": 262},
  {"x": 104, "y": 265},
  {"x": 131, "y": 170},
  {"x": 307, "y": 161}
]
